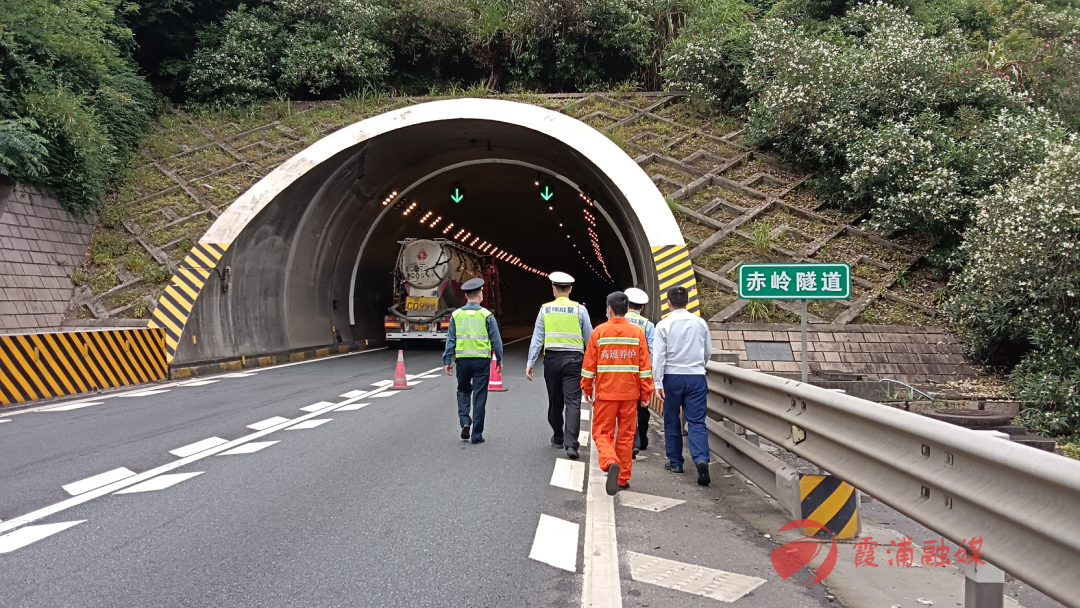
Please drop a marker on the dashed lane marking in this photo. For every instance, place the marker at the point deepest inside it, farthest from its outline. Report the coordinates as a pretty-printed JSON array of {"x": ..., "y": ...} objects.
[
  {"x": 585, "y": 415},
  {"x": 699, "y": 580},
  {"x": 146, "y": 393},
  {"x": 73, "y": 406},
  {"x": 198, "y": 446},
  {"x": 159, "y": 483},
  {"x": 351, "y": 394},
  {"x": 601, "y": 587},
  {"x": 265, "y": 424},
  {"x": 386, "y": 394},
  {"x": 647, "y": 502},
  {"x": 315, "y": 406},
  {"x": 556, "y": 542},
  {"x": 248, "y": 448},
  {"x": 102, "y": 479},
  {"x": 351, "y": 407},
  {"x": 309, "y": 424},
  {"x": 569, "y": 474},
  {"x": 583, "y": 437},
  {"x": 31, "y": 534},
  {"x": 3, "y": 421},
  {"x": 382, "y": 383},
  {"x": 75, "y": 501}
]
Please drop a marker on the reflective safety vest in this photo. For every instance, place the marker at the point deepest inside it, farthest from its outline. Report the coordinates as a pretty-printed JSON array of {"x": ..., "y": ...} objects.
[
  {"x": 470, "y": 331},
  {"x": 562, "y": 327},
  {"x": 634, "y": 317}
]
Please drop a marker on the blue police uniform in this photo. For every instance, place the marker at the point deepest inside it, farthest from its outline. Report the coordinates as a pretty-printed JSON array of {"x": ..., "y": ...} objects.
[{"x": 473, "y": 366}]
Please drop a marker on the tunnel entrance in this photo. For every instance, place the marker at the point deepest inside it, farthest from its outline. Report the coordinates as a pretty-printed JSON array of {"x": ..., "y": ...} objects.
[{"x": 305, "y": 257}]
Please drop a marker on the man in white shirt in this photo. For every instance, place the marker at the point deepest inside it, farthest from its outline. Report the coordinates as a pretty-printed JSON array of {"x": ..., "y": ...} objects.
[{"x": 682, "y": 347}]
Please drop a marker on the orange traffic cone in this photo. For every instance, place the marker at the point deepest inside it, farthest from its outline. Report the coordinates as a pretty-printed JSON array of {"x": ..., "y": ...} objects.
[
  {"x": 495, "y": 380},
  {"x": 400, "y": 383}
]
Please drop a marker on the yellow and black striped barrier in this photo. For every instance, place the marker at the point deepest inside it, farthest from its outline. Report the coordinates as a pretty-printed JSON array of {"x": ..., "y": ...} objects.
[
  {"x": 175, "y": 304},
  {"x": 831, "y": 503},
  {"x": 673, "y": 268},
  {"x": 38, "y": 366}
]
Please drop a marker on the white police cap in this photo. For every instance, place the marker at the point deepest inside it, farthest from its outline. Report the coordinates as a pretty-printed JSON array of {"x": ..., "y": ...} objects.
[
  {"x": 561, "y": 278},
  {"x": 637, "y": 296},
  {"x": 472, "y": 285}
]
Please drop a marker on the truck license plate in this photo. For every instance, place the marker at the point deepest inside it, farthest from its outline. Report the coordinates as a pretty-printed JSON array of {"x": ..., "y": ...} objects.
[
  {"x": 421, "y": 304},
  {"x": 420, "y": 327}
]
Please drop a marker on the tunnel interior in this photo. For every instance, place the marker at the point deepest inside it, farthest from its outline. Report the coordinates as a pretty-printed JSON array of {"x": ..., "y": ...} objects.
[{"x": 314, "y": 266}]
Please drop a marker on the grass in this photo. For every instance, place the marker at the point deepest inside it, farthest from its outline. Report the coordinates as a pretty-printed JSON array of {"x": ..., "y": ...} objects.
[
  {"x": 883, "y": 311},
  {"x": 713, "y": 300}
]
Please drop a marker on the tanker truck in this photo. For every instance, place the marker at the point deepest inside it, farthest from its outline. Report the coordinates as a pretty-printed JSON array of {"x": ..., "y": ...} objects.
[{"x": 427, "y": 287}]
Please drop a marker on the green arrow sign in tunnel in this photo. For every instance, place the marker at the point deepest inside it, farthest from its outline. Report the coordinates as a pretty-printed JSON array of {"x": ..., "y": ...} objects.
[{"x": 308, "y": 251}]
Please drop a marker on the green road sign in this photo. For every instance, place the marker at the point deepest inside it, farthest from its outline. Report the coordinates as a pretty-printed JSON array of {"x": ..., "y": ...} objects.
[
  {"x": 546, "y": 193},
  {"x": 457, "y": 194},
  {"x": 794, "y": 281}
]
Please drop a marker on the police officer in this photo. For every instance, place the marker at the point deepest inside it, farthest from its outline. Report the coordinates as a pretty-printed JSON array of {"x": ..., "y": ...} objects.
[
  {"x": 638, "y": 299},
  {"x": 472, "y": 337},
  {"x": 562, "y": 329}
]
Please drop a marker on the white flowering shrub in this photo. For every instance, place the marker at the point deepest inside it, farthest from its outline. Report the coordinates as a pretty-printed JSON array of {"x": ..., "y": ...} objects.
[
  {"x": 898, "y": 122},
  {"x": 1018, "y": 297},
  {"x": 709, "y": 69},
  {"x": 290, "y": 46}
]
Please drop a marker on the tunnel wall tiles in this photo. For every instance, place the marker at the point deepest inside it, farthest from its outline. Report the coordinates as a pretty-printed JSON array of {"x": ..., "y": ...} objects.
[
  {"x": 39, "y": 245},
  {"x": 38, "y": 366},
  {"x": 176, "y": 302},
  {"x": 673, "y": 269},
  {"x": 904, "y": 353}
]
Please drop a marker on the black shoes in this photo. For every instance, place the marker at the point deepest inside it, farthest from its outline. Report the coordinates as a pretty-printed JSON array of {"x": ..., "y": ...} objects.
[
  {"x": 625, "y": 486},
  {"x": 465, "y": 432},
  {"x": 476, "y": 441},
  {"x": 635, "y": 453},
  {"x": 703, "y": 473},
  {"x": 667, "y": 465},
  {"x": 612, "y": 486},
  {"x": 557, "y": 443},
  {"x": 571, "y": 453}
]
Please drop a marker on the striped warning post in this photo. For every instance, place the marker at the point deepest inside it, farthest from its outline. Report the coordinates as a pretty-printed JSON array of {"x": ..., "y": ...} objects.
[
  {"x": 179, "y": 297},
  {"x": 830, "y": 502},
  {"x": 673, "y": 268},
  {"x": 38, "y": 366}
]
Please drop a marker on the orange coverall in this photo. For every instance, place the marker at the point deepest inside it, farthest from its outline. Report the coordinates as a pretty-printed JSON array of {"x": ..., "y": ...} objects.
[{"x": 617, "y": 365}]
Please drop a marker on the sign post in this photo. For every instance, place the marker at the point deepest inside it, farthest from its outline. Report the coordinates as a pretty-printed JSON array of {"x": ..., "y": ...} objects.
[{"x": 804, "y": 282}]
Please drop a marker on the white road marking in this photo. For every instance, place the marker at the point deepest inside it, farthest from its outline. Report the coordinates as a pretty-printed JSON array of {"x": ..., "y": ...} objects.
[
  {"x": 75, "y": 501},
  {"x": 569, "y": 474},
  {"x": 585, "y": 415},
  {"x": 159, "y": 483},
  {"x": 555, "y": 543},
  {"x": 647, "y": 502},
  {"x": 103, "y": 479},
  {"x": 351, "y": 394},
  {"x": 390, "y": 393},
  {"x": 382, "y": 383},
  {"x": 2, "y": 421},
  {"x": 31, "y": 534},
  {"x": 199, "y": 383},
  {"x": 414, "y": 382},
  {"x": 248, "y": 448},
  {"x": 309, "y": 424},
  {"x": 265, "y": 424},
  {"x": 147, "y": 393},
  {"x": 315, "y": 406},
  {"x": 601, "y": 587},
  {"x": 707, "y": 582},
  {"x": 583, "y": 437},
  {"x": 351, "y": 407},
  {"x": 240, "y": 374},
  {"x": 73, "y": 406},
  {"x": 199, "y": 446}
]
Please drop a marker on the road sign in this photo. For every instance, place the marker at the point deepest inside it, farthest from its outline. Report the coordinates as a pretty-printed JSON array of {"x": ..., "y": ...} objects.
[
  {"x": 794, "y": 281},
  {"x": 457, "y": 193}
]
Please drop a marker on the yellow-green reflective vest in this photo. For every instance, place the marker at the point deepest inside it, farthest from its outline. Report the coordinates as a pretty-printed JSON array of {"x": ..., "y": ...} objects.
[
  {"x": 470, "y": 330},
  {"x": 562, "y": 328},
  {"x": 634, "y": 317}
]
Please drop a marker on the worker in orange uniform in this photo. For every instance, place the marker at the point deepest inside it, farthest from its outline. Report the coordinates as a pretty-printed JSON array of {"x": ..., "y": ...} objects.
[{"x": 616, "y": 376}]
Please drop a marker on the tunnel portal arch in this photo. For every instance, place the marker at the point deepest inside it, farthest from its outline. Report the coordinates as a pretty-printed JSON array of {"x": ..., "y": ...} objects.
[{"x": 298, "y": 260}]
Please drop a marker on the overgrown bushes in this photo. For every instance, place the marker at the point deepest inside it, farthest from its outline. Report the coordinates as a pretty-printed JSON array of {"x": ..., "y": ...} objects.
[{"x": 72, "y": 108}]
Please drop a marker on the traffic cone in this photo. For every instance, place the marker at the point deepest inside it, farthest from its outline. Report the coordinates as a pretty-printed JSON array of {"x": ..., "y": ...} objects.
[
  {"x": 495, "y": 379},
  {"x": 400, "y": 383}
]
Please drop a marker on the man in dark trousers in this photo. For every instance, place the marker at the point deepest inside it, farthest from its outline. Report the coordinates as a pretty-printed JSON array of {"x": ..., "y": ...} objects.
[
  {"x": 472, "y": 337},
  {"x": 638, "y": 299},
  {"x": 562, "y": 329}
]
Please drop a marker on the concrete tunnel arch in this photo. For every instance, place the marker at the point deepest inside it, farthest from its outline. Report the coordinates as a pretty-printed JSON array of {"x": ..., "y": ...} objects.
[{"x": 305, "y": 250}]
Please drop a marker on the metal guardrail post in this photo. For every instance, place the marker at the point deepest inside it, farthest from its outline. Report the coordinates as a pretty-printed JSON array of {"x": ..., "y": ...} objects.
[{"x": 984, "y": 586}]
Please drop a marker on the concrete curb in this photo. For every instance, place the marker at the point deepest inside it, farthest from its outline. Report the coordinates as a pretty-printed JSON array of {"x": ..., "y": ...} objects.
[{"x": 257, "y": 361}]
